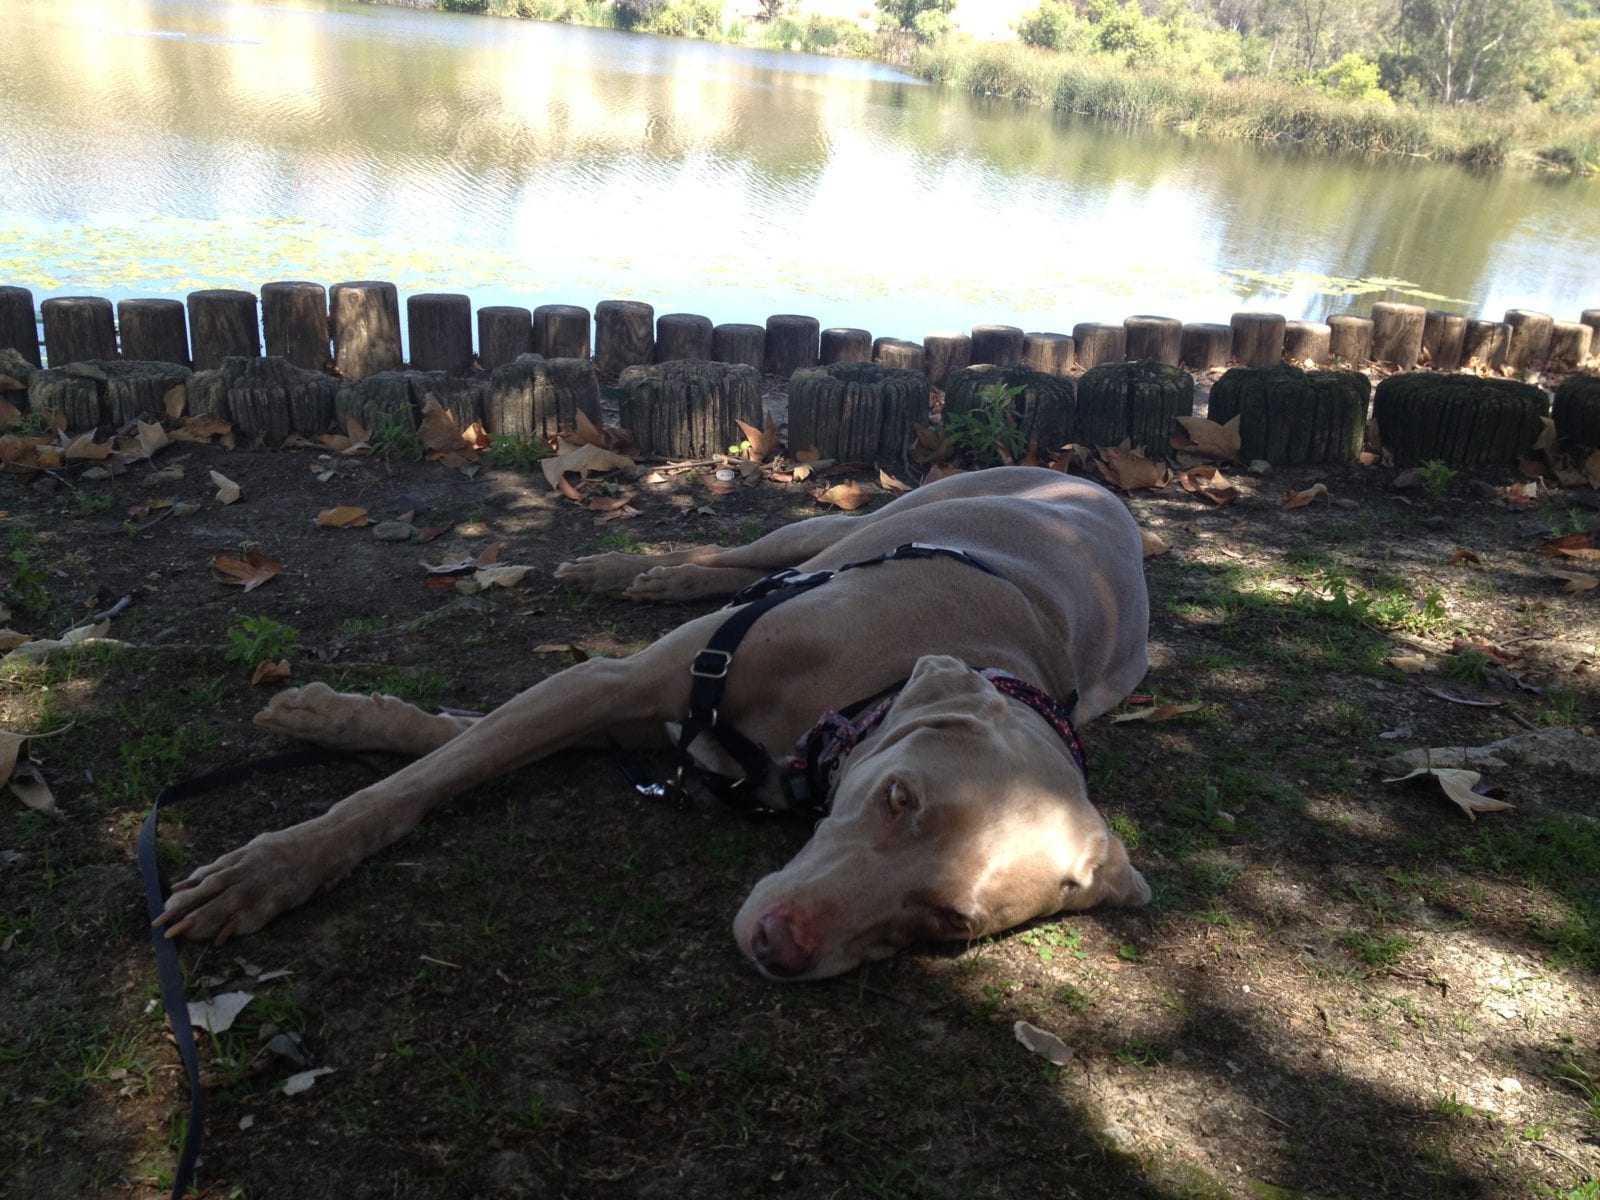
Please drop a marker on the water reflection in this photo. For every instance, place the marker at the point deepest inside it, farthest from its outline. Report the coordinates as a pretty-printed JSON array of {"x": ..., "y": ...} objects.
[{"x": 161, "y": 145}]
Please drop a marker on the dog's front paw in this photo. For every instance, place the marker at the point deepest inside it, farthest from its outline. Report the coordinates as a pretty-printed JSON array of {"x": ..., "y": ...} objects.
[
  {"x": 610, "y": 572},
  {"x": 685, "y": 581},
  {"x": 346, "y": 721},
  {"x": 243, "y": 890}
]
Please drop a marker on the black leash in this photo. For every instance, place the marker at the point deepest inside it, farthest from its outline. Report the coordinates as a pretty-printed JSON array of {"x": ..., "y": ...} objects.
[{"x": 168, "y": 970}]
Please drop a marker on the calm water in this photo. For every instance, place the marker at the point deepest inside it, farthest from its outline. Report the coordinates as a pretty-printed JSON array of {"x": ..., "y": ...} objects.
[{"x": 156, "y": 146}]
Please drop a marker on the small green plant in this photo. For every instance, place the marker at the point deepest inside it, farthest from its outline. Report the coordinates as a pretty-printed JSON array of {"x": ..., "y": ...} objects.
[
  {"x": 516, "y": 454},
  {"x": 1468, "y": 666},
  {"x": 1436, "y": 478},
  {"x": 255, "y": 640},
  {"x": 1453, "y": 1106},
  {"x": 85, "y": 504},
  {"x": 1375, "y": 951},
  {"x": 1052, "y": 938},
  {"x": 26, "y": 593},
  {"x": 393, "y": 437},
  {"x": 988, "y": 435}
]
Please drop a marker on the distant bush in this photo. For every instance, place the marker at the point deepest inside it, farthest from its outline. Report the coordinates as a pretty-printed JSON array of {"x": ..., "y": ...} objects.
[
  {"x": 1353, "y": 78},
  {"x": 463, "y": 6},
  {"x": 687, "y": 18}
]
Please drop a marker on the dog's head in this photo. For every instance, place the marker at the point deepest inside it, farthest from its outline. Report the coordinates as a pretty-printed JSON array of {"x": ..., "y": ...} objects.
[{"x": 962, "y": 815}]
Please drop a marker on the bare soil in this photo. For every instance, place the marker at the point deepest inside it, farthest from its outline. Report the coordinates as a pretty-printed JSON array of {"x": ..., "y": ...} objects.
[{"x": 1343, "y": 988}]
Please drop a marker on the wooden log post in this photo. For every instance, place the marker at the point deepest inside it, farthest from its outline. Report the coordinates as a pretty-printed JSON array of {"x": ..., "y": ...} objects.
[
  {"x": 1590, "y": 317},
  {"x": 1484, "y": 344},
  {"x": 294, "y": 318},
  {"x": 138, "y": 388},
  {"x": 683, "y": 336},
  {"x": 899, "y": 354},
  {"x": 737, "y": 343},
  {"x": 1289, "y": 417},
  {"x": 1528, "y": 344},
  {"x": 945, "y": 352},
  {"x": 1577, "y": 414},
  {"x": 58, "y": 390},
  {"x": 999, "y": 345},
  {"x": 222, "y": 324},
  {"x": 440, "y": 328},
  {"x": 1095, "y": 343},
  {"x": 1205, "y": 347},
  {"x": 624, "y": 336},
  {"x": 1461, "y": 420},
  {"x": 1307, "y": 342},
  {"x": 562, "y": 331},
  {"x": 18, "y": 330},
  {"x": 1159, "y": 339},
  {"x": 1044, "y": 409},
  {"x": 1048, "y": 353},
  {"x": 1350, "y": 338},
  {"x": 267, "y": 399},
  {"x": 843, "y": 344},
  {"x": 154, "y": 330},
  {"x": 856, "y": 412},
  {"x": 1397, "y": 333},
  {"x": 1258, "y": 338},
  {"x": 534, "y": 398},
  {"x": 689, "y": 408},
  {"x": 364, "y": 315},
  {"x": 397, "y": 398},
  {"x": 1132, "y": 401},
  {"x": 78, "y": 329},
  {"x": 793, "y": 343},
  {"x": 1569, "y": 345},
  {"x": 505, "y": 334},
  {"x": 1443, "y": 334}
]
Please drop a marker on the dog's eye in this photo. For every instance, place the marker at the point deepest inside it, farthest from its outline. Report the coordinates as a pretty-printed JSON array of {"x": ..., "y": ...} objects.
[
  {"x": 899, "y": 798},
  {"x": 953, "y": 923}
]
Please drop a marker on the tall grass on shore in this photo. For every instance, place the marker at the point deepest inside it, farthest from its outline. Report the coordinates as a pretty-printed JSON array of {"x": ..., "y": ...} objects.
[{"x": 1264, "y": 111}]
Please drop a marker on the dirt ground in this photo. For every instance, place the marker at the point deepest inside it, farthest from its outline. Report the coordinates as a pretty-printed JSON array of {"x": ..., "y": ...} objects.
[{"x": 1343, "y": 988}]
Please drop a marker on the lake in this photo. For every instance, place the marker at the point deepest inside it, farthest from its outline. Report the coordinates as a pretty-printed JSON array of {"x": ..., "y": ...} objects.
[{"x": 157, "y": 146}]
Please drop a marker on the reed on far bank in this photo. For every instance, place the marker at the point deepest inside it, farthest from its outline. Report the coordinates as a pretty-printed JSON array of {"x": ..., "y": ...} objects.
[{"x": 1263, "y": 110}]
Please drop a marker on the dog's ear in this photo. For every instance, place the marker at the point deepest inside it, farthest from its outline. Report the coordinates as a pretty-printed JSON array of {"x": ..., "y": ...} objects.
[
  {"x": 944, "y": 686},
  {"x": 1107, "y": 877}
]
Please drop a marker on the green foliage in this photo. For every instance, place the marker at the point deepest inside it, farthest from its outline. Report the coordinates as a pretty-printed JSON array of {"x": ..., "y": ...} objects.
[
  {"x": 819, "y": 35},
  {"x": 1353, "y": 78},
  {"x": 906, "y": 14},
  {"x": 463, "y": 6},
  {"x": 25, "y": 593},
  {"x": 687, "y": 18},
  {"x": 988, "y": 435},
  {"x": 1436, "y": 477},
  {"x": 1054, "y": 25},
  {"x": 1469, "y": 666},
  {"x": 394, "y": 437},
  {"x": 255, "y": 640},
  {"x": 516, "y": 454}
]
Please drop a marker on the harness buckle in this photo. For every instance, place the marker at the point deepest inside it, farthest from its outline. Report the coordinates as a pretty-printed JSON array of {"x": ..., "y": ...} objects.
[{"x": 711, "y": 664}]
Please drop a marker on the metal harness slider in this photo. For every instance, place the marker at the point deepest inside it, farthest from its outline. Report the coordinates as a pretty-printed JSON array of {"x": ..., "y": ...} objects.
[{"x": 711, "y": 664}]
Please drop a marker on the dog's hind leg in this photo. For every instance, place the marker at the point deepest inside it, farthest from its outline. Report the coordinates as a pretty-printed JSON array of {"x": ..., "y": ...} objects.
[{"x": 316, "y": 713}]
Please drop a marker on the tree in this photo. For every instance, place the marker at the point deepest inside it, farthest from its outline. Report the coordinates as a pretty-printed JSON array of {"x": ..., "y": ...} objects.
[
  {"x": 904, "y": 13},
  {"x": 770, "y": 10},
  {"x": 1467, "y": 50}
]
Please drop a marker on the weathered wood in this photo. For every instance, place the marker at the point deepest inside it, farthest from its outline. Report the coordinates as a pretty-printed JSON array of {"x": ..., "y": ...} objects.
[
  {"x": 1462, "y": 420},
  {"x": 561, "y": 331},
  {"x": 138, "y": 389},
  {"x": 689, "y": 408},
  {"x": 397, "y": 398},
  {"x": 1045, "y": 410},
  {"x": 1350, "y": 338},
  {"x": 505, "y": 334},
  {"x": 1307, "y": 341},
  {"x": 154, "y": 330},
  {"x": 1484, "y": 344},
  {"x": 1570, "y": 342},
  {"x": 1204, "y": 346},
  {"x": 267, "y": 399},
  {"x": 365, "y": 318},
  {"x": 60, "y": 390},
  {"x": 534, "y": 397},
  {"x": 844, "y": 344},
  {"x": 440, "y": 326},
  {"x": 1590, "y": 317},
  {"x": 793, "y": 343},
  {"x": 624, "y": 336},
  {"x": 856, "y": 411},
  {"x": 1397, "y": 333},
  {"x": 1095, "y": 343},
  {"x": 999, "y": 345},
  {"x": 1528, "y": 343},
  {"x": 294, "y": 318},
  {"x": 736, "y": 343},
  {"x": 18, "y": 330},
  {"x": 1136, "y": 401},
  {"x": 1258, "y": 338},
  {"x": 1288, "y": 416},
  {"x": 1048, "y": 353},
  {"x": 945, "y": 352},
  {"x": 1443, "y": 334},
  {"x": 1160, "y": 339},
  {"x": 222, "y": 324},
  {"x": 78, "y": 329},
  {"x": 899, "y": 354},
  {"x": 683, "y": 336},
  {"x": 1576, "y": 412}
]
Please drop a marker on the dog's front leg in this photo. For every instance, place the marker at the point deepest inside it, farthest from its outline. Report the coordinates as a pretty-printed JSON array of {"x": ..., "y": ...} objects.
[{"x": 241, "y": 891}]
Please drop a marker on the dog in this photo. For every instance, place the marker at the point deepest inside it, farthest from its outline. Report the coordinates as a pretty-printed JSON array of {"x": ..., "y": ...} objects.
[{"x": 918, "y": 655}]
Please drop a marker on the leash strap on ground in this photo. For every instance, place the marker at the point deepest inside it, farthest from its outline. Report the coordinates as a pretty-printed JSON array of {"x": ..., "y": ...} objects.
[{"x": 169, "y": 972}]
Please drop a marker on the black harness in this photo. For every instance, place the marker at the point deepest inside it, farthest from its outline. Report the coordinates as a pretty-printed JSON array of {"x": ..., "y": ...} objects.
[{"x": 808, "y": 776}]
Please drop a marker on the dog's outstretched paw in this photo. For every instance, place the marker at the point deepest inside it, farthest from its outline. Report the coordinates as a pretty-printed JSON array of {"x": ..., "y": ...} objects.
[
  {"x": 241, "y": 891},
  {"x": 316, "y": 713},
  {"x": 609, "y": 572},
  {"x": 685, "y": 581}
]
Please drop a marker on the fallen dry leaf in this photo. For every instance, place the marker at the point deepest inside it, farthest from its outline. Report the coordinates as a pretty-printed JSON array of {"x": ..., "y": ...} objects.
[
  {"x": 1519, "y": 495},
  {"x": 1130, "y": 469},
  {"x": 890, "y": 484},
  {"x": 1591, "y": 470},
  {"x": 1411, "y": 664},
  {"x": 174, "y": 400},
  {"x": 218, "y": 1014},
  {"x": 1458, "y": 784},
  {"x": 625, "y": 513},
  {"x": 227, "y": 489},
  {"x": 85, "y": 447},
  {"x": 1576, "y": 581},
  {"x": 1208, "y": 482},
  {"x": 1572, "y": 541},
  {"x": 343, "y": 516},
  {"x": 268, "y": 671},
  {"x": 1153, "y": 543},
  {"x": 1317, "y": 491},
  {"x": 1461, "y": 556},
  {"x": 1158, "y": 712},
  {"x": 205, "y": 428},
  {"x": 302, "y": 1080},
  {"x": 1477, "y": 645},
  {"x": 1207, "y": 438},
  {"x": 454, "y": 566},
  {"x": 763, "y": 442},
  {"x": 1042, "y": 1042},
  {"x": 507, "y": 576},
  {"x": 847, "y": 496},
  {"x": 603, "y": 504},
  {"x": 28, "y": 785},
  {"x": 939, "y": 471},
  {"x": 489, "y": 555},
  {"x": 249, "y": 573},
  {"x": 583, "y": 460}
]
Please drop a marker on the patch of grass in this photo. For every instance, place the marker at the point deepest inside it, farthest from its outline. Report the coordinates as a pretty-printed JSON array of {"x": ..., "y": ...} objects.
[
  {"x": 422, "y": 686},
  {"x": 259, "y": 639},
  {"x": 1561, "y": 854},
  {"x": 513, "y": 453},
  {"x": 1436, "y": 478},
  {"x": 393, "y": 437},
  {"x": 1375, "y": 951},
  {"x": 1052, "y": 939},
  {"x": 26, "y": 593},
  {"x": 1468, "y": 666}
]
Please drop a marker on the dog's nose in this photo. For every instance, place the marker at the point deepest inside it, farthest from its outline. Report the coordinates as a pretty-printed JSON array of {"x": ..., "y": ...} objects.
[{"x": 778, "y": 944}]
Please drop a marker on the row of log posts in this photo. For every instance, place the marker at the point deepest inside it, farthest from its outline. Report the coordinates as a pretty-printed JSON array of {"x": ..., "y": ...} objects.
[{"x": 356, "y": 326}]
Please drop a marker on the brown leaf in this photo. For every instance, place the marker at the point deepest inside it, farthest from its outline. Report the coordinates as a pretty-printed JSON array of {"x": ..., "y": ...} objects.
[
  {"x": 268, "y": 671},
  {"x": 29, "y": 786},
  {"x": 1488, "y": 649},
  {"x": 1576, "y": 580},
  {"x": 151, "y": 438},
  {"x": 207, "y": 427},
  {"x": 10, "y": 638},
  {"x": 85, "y": 447},
  {"x": 1458, "y": 785},
  {"x": 848, "y": 496},
  {"x": 603, "y": 504},
  {"x": 1520, "y": 495},
  {"x": 1130, "y": 469},
  {"x": 439, "y": 432},
  {"x": 588, "y": 433},
  {"x": 174, "y": 400},
  {"x": 1461, "y": 556},
  {"x": 763, "y": 442},
  {"x": 227, "y": 489},
  {"x": 890, "y": 484},
  {"x": 1591, "y": 470},
  {"x": 343, "y": 516},
  {"x": 489, "y": 555},
  {"x": 584, "y": 460},
  {"x": 626, "y": 512},
  {"x": 430, "y": 532},
  {"x": 810, "y": 455},
  {"x": 940, "y": 470},
  {"x": 476, "y": 437},
  {"x": 1410, "y": 664},
  {"x": 1158, "y": 712},
  {"x": 1153, "y": 543},
  {"x": 1210, "y": 483},
  {"x": 1317, "y": 491},
  {"x": 1558, "y": 547},
  {"x": 1206, "y": 437},
  {"x": 10, "y": 414},
  {"x": 249, "y": 573}
]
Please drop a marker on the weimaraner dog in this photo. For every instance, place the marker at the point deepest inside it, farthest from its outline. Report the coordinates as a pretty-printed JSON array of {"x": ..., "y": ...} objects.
[{"x": 916, "y": 682}]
